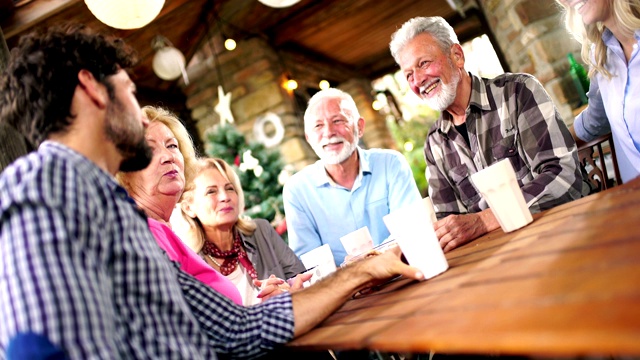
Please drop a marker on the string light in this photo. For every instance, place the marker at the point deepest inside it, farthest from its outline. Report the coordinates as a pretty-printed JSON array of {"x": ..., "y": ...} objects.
[
  {"x": 291, "y": 84},
  {"x": 230, "y": 44},
  {"x": 376, "y": 105},
  {"x": 324, "y": 85}
]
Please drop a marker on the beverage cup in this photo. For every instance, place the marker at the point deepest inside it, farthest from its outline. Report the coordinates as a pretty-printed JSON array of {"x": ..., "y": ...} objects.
[
  {"x": 499, "y": 187},
  {"x": 357, "y": 242},
  {"x": 428, "y": 204},
  {"x": 319, "y": 261},
  {"x": 417, "y": 238}
]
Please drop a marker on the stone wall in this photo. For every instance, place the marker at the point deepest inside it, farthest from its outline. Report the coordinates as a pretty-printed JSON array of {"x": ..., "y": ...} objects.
[
  {"x": 532, "y": 36},
  {"x": 254, "y": 73}
]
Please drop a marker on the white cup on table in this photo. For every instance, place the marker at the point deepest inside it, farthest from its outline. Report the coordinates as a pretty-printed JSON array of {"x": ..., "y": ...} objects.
[
  {"x": 357, "y": 242},
  {"x": 417, "y": 238},
  {"x": 428, "y": 204},
  {"x": 319, "y": 262},
  {"x": 499, "y": 187}
]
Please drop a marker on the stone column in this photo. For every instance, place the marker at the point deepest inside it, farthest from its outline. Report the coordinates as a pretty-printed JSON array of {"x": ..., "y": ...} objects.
[
  {"x": 534, "y": 40},
  {"x": 376, "y": 132}
]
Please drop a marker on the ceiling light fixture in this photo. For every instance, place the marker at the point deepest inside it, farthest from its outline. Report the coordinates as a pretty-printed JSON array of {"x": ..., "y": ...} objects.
[
  {"x": 279, "y": 3},
  {"x": 168, "y": 62},
  {"x": 125, "y": 14}
]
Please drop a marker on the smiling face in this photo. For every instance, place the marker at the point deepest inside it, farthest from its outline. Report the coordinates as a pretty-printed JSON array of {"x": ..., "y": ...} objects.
[
  {"x": 430, "y": 72},
  {"x": 592, "y": 11},
  {"x": 165, "y": 173},
  {"x": 215, "y": 200},
  {"x": 332, "y": 131}
]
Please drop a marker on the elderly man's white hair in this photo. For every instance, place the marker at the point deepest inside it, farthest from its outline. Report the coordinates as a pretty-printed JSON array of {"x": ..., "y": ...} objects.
[
  {"x": 435, "y": 26},
  {"x": 347, "y": 103}
]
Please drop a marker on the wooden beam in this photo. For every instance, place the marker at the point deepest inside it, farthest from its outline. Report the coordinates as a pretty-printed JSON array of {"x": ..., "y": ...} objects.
[{"x": 30, "y": 14}]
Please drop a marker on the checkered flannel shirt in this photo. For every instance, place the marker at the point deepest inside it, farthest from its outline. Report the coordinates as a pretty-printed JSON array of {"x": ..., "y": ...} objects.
[
  {"x": 79, "y": 265},
  {"x": 510, "y": 116}
]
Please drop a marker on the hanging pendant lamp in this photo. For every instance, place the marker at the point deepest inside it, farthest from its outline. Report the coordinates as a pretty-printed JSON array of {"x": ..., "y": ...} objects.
[{"x": 125, "y": 14}]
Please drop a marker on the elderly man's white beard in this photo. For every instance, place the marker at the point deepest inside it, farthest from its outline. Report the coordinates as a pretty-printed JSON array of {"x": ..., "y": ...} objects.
[
  {"x": 331, "y": 158},
  {"x": 447, "y": 94}
]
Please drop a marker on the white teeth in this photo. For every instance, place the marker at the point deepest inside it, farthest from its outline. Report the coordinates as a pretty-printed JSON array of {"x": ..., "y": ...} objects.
[
  {"x": 428, "y": 89},
  {"x": 579, "y": 5}
]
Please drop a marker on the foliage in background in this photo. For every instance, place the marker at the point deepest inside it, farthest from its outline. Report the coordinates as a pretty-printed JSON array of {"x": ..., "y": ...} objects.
[
  {"x": 262, "y": 190},
  {"x": 410, "y": 137}
]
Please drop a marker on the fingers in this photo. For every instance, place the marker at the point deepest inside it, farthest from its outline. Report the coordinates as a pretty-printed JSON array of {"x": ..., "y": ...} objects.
[
  {"x": 410, "y": 272},
  {"x": 298, "y": 281}
]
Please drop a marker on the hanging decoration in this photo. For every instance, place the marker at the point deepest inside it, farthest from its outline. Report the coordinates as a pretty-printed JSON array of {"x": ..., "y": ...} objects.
[
  {"x": 223, "y": 108},
  {"x": 260, "y": 130},
  {"x": 168, "y": 62},
  {"x": 250, "y": 163},
  {"x": 279, "y": 3},
  {"x": 125, "y": 14}
]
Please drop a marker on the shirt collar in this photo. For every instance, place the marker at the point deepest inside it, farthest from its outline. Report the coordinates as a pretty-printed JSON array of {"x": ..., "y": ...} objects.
[
  {"x": 607, "y": 36},
  {"x": 478, "y": 99},
  {"x": 85, "y": 166},
  {"x": 321, "y": 177}
]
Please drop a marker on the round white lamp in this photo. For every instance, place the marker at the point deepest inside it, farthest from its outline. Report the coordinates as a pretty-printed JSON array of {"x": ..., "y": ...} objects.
[
  {"x": 125, "y": 14},
  {"x": 279, "y": 3},
  {"x": 168, "y": 63}
]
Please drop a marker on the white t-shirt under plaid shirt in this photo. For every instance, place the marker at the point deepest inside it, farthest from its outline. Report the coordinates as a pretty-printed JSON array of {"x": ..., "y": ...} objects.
[{"x": 79, "y": 265}]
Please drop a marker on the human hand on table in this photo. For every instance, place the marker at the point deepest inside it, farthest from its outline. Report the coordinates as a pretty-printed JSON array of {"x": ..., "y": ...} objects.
[
  {"x": 457, "y": 230},
  {"x": 274, "y": 286}
]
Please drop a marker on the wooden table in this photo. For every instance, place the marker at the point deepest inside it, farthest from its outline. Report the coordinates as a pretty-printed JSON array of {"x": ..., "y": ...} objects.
[{"x": 566, "y": 284}]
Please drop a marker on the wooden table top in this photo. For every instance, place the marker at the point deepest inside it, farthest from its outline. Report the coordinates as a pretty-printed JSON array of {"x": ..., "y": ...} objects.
[{"x": 566, "y": 284}]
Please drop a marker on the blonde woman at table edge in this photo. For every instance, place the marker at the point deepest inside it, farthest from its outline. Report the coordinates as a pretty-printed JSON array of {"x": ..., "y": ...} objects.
[
  {"x": 609, "y": 31},
  {"x": 242, "y": 249}
]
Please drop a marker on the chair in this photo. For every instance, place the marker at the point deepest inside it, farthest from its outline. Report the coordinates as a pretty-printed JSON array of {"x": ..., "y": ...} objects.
[{"x": 591, "y": 157}]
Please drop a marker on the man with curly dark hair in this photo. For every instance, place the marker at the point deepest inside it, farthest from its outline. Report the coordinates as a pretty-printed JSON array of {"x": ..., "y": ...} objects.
[{"x": 81, "y": 275}]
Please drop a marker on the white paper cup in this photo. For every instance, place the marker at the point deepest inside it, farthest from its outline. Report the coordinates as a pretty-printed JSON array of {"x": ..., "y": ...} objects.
[
  {"x": 417, "y": 239},
  {"x": 428, "y": 204},
  {"x": 357, "y": 242},
  {"x": 320, "y": 261},
  {"x": 499, "y": 187}
]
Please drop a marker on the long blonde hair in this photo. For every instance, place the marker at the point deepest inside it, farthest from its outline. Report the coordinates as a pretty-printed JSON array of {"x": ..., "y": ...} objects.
[
  {"x": 194, "y": 235},
  {"x": 626, "y": 14}
]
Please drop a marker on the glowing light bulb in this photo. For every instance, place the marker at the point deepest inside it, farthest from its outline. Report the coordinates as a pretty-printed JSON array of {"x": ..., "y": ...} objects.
[
  {"x": 291, "y": 85},
  {"x": 230, "y": 44},
  {"x": 377, "y": 105},
  {"x": 324, "y": 85}
]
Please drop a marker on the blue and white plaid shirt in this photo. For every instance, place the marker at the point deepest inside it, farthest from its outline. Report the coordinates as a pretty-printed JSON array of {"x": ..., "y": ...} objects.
[{"x": 79, "y": 265}]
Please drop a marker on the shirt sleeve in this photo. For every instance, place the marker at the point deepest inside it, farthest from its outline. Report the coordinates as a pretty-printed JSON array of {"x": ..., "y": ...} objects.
[
  {"x": 234, "y": 330},
  {"x": 550, "y": 150},
  {"x": 303, "y": 236},
  {"x": 290, "y": 263},
  {"x": 592, "y": 121},
  {"x": 50, "y": 283},
  {"x": 402, "y": 188}
]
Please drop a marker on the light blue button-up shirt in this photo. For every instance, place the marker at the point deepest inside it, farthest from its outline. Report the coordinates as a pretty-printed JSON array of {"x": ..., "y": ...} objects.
[
  {"x": 614, "y": 106},
  {"x": 318, "y": 211}
]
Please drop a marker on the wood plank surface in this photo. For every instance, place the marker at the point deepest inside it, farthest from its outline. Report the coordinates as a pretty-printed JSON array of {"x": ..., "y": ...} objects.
[{"x": 565, "y": 285}]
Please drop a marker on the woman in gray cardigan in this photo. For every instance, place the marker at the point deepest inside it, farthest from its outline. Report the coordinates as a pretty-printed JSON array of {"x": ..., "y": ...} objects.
[{"x": 246, "y": 251}]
